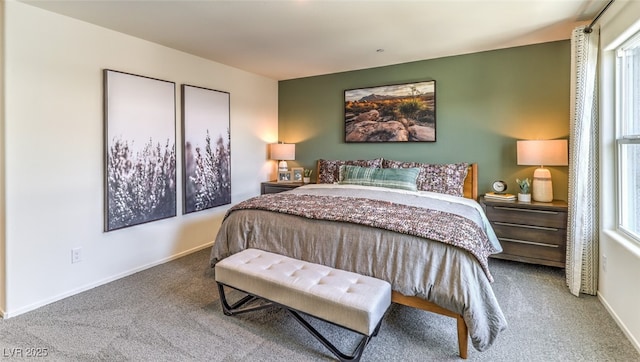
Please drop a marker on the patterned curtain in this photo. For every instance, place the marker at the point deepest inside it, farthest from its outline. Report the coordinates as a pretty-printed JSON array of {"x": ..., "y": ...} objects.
[{"x": 582, "y": 229}]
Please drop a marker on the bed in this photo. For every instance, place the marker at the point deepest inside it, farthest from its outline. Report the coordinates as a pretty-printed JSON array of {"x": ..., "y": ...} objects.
[{"x": 449, "y": 276}]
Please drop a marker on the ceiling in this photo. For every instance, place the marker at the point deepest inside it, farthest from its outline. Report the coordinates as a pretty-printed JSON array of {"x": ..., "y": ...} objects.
[{"x": 286, "y": 39}]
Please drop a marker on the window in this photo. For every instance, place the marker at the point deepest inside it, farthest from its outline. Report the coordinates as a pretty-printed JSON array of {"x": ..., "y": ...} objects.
[{"x": 628, "y": 136}]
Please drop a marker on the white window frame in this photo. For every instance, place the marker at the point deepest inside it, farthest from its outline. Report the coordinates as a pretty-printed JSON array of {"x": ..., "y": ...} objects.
[{"x": 625, "y": 136}]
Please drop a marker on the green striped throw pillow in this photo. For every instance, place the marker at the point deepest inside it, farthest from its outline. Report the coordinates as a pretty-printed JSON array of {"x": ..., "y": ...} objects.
[{"x": 396, "y": 178}]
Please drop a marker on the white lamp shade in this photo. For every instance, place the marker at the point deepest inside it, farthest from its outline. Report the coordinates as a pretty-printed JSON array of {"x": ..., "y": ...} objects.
[
  {"x": 283, "y": 151},
  {"x": 543, "y": 153}
]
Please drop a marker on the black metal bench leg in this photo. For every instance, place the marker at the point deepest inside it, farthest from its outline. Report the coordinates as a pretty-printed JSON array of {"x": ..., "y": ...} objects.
[
  {"x": 355, "y": 356},
  {"x": 239, "y": 306}
]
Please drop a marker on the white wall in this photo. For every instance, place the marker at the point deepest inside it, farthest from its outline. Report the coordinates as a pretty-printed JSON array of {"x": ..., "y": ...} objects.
[
  {"x": 618, "y": 279},
  {"x": 53, "y": 130},
  {"x": 2, "y": 218}
]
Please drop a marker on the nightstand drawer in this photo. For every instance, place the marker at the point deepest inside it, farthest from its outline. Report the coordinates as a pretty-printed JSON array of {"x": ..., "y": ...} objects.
[
  {"x": 526, "y": 251},
  {"x": 508, "y": 214},
  {"x": 530, "y": 233},
  {"x": 272, "y": 187}
]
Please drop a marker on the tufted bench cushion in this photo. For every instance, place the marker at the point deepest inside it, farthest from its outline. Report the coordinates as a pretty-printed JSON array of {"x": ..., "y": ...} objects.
[{"x": 344, "y": 298}]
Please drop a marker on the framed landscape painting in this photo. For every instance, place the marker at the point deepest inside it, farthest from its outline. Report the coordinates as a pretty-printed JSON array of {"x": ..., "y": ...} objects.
[
  {"x": 391, "y": 113},
  {"x": 140, "y": 149},
  {"x": 207, "y": 152}
]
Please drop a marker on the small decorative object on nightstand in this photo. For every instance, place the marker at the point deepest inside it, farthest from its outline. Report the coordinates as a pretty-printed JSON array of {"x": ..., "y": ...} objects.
[
  {"x": 525, "y": 190},
  {"x": 532, "y": 232},
  {"x": 273, "y": 187},
  {"x": 499, "y": 186},
  {"x": 307, "y": 175},
  {"x": 297, "y": 174}
]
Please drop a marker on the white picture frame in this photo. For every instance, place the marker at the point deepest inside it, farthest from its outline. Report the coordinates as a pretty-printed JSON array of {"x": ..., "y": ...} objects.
[
  {"x": 297, "y": 174},
  {"x": 285, "y": 176}
]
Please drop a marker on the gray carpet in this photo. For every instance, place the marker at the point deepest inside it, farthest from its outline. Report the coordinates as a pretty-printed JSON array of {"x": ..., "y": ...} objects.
[{"x": 172, "y": 313}]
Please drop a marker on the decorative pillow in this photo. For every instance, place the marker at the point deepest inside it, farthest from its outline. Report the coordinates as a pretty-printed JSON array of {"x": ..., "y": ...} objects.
[
  {"x": 329, "y": 170},
  {"x": 395, "y": 178},
  {"x": 443, "y": 178}
]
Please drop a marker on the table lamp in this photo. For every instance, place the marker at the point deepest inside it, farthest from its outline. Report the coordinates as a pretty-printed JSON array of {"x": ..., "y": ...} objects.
[
  {"x": 283, "y": 152},
  {"x": 541, "y": 153}
]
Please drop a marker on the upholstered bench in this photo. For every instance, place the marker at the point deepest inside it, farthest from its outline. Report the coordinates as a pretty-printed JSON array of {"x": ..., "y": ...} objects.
[{"x": 346, "y": 299}]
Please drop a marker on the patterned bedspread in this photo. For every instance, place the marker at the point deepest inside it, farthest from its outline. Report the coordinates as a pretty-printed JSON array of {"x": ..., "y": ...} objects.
[
  {"x": 432, "y": 224},
  {"x": 450, "y": 276}
]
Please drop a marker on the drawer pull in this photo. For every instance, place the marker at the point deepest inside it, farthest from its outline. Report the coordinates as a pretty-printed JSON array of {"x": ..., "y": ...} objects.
[
  {"x": 525, "y": 226},
  {"x": 529, "y": 242},
  {"x": 526, "y": 210}
]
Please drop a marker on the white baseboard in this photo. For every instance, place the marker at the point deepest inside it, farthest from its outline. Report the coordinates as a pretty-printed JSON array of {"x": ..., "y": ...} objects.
[
  {"x": 42, "y": 303},
  {"x": 620, "y": 323}
]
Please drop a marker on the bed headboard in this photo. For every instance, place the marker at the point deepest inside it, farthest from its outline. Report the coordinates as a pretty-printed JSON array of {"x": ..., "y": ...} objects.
[{"x": 470, "y": 188}]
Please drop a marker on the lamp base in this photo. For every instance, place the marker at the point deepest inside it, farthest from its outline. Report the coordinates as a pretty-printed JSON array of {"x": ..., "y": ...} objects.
[
  {"x": 283, "y": 166},
  {"x": 542, "y": 185}
]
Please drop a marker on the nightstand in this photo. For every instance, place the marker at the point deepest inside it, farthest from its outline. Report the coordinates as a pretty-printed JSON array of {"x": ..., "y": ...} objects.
[
  {"x": 273, "y": 187},
  {"x": 534, "y": 232}
]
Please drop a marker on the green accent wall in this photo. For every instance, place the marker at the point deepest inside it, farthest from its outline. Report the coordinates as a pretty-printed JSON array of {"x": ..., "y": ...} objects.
[{"x": 484, "y": 103}]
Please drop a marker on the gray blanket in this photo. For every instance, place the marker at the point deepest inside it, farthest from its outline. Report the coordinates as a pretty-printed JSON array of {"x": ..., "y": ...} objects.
[{"x": 443, "y": 274}]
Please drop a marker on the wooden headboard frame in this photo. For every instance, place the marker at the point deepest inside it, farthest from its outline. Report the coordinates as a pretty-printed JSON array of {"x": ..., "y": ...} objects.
[{"x": 470, "y": 188}]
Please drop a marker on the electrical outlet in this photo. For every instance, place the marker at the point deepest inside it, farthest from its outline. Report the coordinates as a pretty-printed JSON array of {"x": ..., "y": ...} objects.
[
  {"x": 604, "y": 263},
  {"x": 76, "y": 255}
]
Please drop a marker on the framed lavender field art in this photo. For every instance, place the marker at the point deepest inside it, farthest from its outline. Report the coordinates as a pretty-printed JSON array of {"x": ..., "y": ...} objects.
[
  {"x": 207, "y": 152},
  {"x": 140, "y": 149},
  {"x": 391, "y": 113}
]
